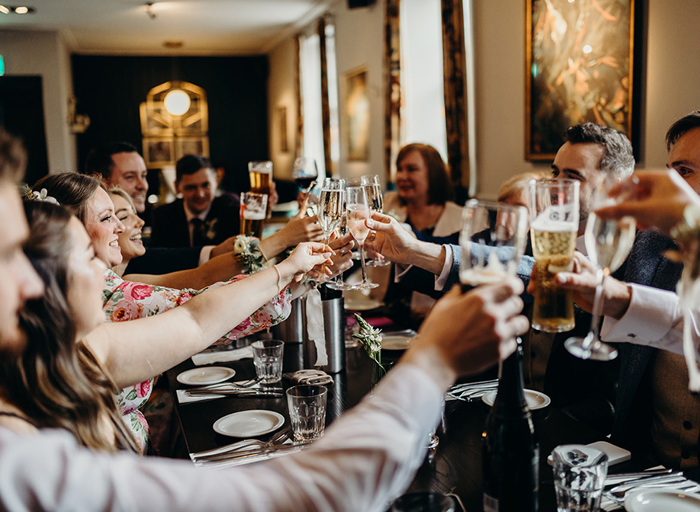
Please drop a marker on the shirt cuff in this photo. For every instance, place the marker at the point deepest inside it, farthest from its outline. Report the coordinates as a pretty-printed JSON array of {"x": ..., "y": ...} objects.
[
  {"x": 652, "y": 313},
  {"x": 400, "y": 271},
  {"x": 205, "y": 254},
  {"x": 442, "y": 278}
]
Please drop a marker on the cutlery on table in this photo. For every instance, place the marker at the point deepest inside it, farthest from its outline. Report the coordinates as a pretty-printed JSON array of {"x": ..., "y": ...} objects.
[
  {"x": 278, "y": 437},
  {"x": 273, "y": 392}
]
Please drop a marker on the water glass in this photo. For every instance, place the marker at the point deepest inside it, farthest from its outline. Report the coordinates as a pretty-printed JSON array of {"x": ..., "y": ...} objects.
[
  {"x": 307, "y": 411},
  {"x": 267, "y": 358},
  {"x": 579, "y": 477}
]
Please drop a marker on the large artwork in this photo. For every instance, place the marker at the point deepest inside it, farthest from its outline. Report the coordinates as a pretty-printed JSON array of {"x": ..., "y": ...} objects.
[{"x": 579, "y": 69}]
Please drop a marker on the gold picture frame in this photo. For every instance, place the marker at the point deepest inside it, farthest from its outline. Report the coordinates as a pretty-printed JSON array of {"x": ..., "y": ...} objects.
[
  {"x": 579, "y": 68},
  {"x": 357, "y": 115}
]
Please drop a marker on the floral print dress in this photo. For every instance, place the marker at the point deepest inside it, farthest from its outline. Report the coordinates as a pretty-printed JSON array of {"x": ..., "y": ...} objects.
[{"x": 126, "y": 300}]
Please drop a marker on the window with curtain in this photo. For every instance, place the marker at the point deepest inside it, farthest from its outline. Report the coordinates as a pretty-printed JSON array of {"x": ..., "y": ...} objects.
[
  {"x": 423, "y": 106},
  {"x": 310, "y": 90}
]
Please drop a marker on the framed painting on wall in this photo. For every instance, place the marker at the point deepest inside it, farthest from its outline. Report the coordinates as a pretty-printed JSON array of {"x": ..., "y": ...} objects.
[
  {"x": 158, "y": 152},
  {"x": 191, "y": 146},
  {"x": 357, "y": 115},
  {"x": 284, "y": 144},
  {"x": 579, "y": 69}
]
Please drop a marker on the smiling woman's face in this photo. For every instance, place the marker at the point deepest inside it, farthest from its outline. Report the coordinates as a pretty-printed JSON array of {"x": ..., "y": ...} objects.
[
  {"x": 130, "y": 240},
  {"x": 103, "y": 227}
]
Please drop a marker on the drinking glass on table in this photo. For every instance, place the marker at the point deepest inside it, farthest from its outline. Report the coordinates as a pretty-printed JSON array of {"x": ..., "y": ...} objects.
[
  {"x": 493, "y": 239},
  {"x": 358, "y": 213},
  {"x": 608, "y": 242},
  {"x": 267, "y": 358},
  {"x": 307, "y": 411},
  {"x": 330, "y": 207},
  {"x": 579, "y": 477},
  {"x": 555, "y": 205},
  {"x": 253, "y": 208},
  {"x": 304, "y": 174},
  {"x": 375, "y": 200}
]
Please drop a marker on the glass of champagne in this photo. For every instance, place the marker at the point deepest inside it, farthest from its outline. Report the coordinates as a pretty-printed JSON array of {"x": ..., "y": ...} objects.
[
  {"x": 375, "y": 199},
  {"x": 493, "y": 239},
  {"x": 330, "y": 207},
  {"x": 358, "y": 213},
  {"x": 342, "y": 230},
  {"x": 555, "y": 205},
  {"x": 304, "y": 174},
  {"x": 608, "y": 242}
]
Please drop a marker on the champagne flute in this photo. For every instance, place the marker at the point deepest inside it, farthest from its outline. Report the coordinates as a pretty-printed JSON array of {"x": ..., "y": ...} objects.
[
  {"x": 375, "y": 200},
  {"x": 358, "y": 213},
  {"x": 608, "y": 242},
  {"x": 330, "y": 208},
  {"x": 304, "y": 174},
  {"x": 342, "y": 230}
]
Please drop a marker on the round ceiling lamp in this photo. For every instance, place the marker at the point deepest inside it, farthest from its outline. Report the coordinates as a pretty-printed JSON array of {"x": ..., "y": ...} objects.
[{"x": 177, "y": 102}]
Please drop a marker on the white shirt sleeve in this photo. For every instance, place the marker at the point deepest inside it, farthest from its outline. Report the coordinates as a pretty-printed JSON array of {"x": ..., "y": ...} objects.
[
  {"x": 367, "y": 458},
  {"x": 205, "y": 254},
  {"x": 652, "y": 318},
  {"x": 442, "y": 278}
]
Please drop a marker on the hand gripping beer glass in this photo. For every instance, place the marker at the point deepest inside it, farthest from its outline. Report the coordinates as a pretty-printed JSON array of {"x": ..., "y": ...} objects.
[
  {"x": 555, "y": 205},
  {"x": 493, "y": 239},
  {"x": 608, "y": 242}
]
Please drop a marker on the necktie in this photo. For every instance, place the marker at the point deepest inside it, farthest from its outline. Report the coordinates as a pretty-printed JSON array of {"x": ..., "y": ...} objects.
[{"x": 197, "y": 234}]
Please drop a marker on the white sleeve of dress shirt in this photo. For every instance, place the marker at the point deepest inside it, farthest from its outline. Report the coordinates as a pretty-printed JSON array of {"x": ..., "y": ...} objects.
[
  {"x": 652, "y": 318},
  {"x": 205, "y": 254},
  {"x": 440, "y": 280},
  {"x": 367, "y": 458}
]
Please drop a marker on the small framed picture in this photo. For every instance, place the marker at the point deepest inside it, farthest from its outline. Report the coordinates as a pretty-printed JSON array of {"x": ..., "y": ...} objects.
[
  {"x": 191, "y": 146},
  {"x": 357, "y": 115},
  {"x": 158, "y": 152}
]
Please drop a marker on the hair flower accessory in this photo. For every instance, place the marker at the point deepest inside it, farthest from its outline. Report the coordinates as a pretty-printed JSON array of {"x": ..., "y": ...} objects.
[{"x": 32, "y": 195}]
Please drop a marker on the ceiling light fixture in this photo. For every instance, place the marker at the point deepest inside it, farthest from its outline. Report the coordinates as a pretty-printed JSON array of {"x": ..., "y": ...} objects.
[
  {"x": 21, "y": 10},
  {"x": 177, "y": 101},
  {"x": 4, "y": 9}
]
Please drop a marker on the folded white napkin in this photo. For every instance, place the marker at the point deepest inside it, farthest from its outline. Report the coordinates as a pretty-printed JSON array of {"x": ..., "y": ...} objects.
[
  {"x": 184, "y": 398},
  {"x": 226, "y": 356},
  {"x": 315, "y": 326}
]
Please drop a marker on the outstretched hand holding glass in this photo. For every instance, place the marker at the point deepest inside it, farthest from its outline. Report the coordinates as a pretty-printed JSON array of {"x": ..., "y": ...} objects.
[{"x": 358, "y": 214}]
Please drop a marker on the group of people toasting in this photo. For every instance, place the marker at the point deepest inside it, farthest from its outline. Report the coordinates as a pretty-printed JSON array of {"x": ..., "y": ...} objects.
[{"x": 80, "y": 344}]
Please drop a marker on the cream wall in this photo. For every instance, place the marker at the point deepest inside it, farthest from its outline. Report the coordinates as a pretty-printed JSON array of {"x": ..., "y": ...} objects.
[
  {"x": 673, "y": 72},
  {"x": 359, "y": 37},
  {"x": 46, "y": 54}
]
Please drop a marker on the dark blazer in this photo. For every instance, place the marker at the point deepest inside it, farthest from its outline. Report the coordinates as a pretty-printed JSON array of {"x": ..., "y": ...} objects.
[
  {"x": 170, "y": 228},
  {"x": 159, "y": 260}
]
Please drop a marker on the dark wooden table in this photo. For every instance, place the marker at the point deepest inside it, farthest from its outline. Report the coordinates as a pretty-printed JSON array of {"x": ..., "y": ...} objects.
[{"x": 456, "y": 465}]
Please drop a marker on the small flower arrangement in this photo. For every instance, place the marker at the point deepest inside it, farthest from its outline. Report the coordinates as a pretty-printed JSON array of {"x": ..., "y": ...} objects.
[
  {"x": 371, "y": 339},
  {"x": 210, "y": 229},
  {"x": 247, "y": 251},
  {"x": 30, "y": 195}
]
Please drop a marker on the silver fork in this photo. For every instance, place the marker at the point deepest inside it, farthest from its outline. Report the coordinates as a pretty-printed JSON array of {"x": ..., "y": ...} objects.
[{"x": 278, "y": 437}]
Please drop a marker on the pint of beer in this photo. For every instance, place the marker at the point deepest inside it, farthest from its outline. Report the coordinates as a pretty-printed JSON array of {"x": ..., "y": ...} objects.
[
  {"x": 260, "y": 176},
  {"x": 553, "y": 232},
  {"x": 253, "y": 212}
]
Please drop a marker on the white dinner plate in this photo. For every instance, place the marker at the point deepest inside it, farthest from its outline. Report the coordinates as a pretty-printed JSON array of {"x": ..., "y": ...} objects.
[
  {"x": 249, "y": 423},
  {"x": 535, "y": 399},
  {"x": 397, "y": 341},
  {"x": 662, "y": 500},
  {"x": 362, "y": 305},
  {"x": 205, "y": 375}
]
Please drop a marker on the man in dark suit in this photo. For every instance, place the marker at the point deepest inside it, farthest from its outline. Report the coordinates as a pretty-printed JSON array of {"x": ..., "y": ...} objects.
[{"x": 198, "y": 218}]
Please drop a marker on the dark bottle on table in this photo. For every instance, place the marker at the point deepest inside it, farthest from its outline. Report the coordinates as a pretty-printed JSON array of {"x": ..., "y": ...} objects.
[{"x": 510, "y": 454}]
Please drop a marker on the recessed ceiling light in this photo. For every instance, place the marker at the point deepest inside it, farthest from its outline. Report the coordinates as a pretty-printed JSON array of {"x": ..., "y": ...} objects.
[
  {"x": 4, "y": 9},
  {"x": 22, "y": 10}
]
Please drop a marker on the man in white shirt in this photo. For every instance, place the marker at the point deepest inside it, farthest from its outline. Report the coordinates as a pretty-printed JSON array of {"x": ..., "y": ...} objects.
[{"x": 367, "y": 458}]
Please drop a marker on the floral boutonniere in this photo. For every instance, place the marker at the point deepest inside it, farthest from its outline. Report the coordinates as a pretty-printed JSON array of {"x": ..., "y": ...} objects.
[
  {"x": 209, "y": 229},
  {"x": 247, "y": 251},
  {"x": 371, "y": 339}
]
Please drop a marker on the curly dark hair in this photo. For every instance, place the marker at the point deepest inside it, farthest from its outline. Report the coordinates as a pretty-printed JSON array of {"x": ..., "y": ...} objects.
[
  {"x": 57, "y": 382},
  {"x": 681, "y": 127}
]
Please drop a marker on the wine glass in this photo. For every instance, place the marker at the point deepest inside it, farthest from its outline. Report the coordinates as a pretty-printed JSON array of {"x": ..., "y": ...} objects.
[
  {"x": 493, "y": 239},
  {"x": 358, "y": 213},
  {"x": 608, "y": 242},
  {"x": 376, "y": 204},
  {"x": 330, "y": 208},
  {"x": 304, "y": 174}
]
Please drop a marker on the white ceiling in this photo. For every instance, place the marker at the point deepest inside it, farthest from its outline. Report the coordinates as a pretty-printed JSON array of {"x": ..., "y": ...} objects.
[{"x": 206, "y": 27}]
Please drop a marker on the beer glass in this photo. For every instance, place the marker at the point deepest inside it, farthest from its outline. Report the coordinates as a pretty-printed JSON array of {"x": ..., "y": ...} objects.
[
  {"x": 358, "y": 213},
  {"x": 608, "y": 242},
  {"x": 253, "y": 212},
  {"x": 493, "y": 239},
  {"x": 260, "y": 174},
  {"x": 555, "y": 205}
]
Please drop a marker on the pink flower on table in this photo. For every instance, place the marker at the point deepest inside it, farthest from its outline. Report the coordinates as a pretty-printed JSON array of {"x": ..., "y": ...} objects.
[
  {"x": 143, "y": 389},
  {"x": 139, "y": 291}
]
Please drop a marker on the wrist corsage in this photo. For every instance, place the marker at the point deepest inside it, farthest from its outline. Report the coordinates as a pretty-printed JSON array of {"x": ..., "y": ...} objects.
[{"x": 247, "y": 251}]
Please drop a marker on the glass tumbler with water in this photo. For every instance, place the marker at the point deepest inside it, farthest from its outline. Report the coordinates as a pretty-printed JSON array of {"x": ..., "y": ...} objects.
[
  {"x": 268, "y": 358},
  {"x": 579, "y": 477},
  {"x": 307, "y": 411}
]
